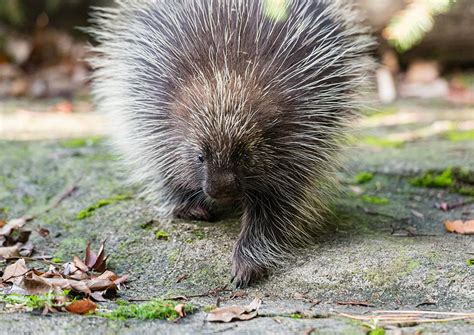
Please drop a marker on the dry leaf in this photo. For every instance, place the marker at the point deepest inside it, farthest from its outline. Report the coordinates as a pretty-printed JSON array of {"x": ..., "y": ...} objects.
[
  {"x": 96, "y": 262},
  {"x": 34, "y": 284},
  {"x": 83, "y": 306},
  {"x": 80, "y": 265},
  {"x": 460, "y": 226},
  {"x": 227, "y": 314},
  {"x": 8, "y": 252},
  {"x": 14, "y": 224},
  {"x": 180, "y": 310},
  {"x": 15, "y": 270}
]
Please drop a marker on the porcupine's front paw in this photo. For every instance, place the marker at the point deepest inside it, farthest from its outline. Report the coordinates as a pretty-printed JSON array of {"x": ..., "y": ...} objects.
[
  {"x": 199, "y": 213},
  {"x": 245, "y": 273}
]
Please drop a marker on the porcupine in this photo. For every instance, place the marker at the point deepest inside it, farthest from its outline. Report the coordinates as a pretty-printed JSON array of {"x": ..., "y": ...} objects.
[{"x": 234, "y": 101}]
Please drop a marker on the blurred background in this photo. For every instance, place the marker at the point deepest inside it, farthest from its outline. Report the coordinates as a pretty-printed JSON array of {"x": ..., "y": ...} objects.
[{"x": 426, "y": 51}]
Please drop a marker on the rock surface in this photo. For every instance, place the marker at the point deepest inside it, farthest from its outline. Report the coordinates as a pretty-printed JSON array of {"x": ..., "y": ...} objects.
[{"x": 394, "y": 255}]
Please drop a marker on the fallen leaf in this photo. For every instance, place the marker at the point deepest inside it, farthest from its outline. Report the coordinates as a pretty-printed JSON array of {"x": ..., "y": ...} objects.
[
  {"x": 98, "y": 296},
  {"x": 8, "y": 252},
  {"x": 34, "y": 284},
  {"x": 15, "y": 270},
  {"x": 83, "y": 306},
  {"x": 230, "y": 313},
  {"x": 79, "y": 264},
  {"x": 180, "y": 310},
  {"x": 96, "y": 262},
  {"x": 460, "y": 226},
  {"x": 14, "y": 224},
  {"x": 43, "y": 232},
  {"x": 309, "y": 331}
]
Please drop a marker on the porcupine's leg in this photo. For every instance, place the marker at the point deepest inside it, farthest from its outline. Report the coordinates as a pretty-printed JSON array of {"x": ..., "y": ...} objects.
[
  {"x": 192, "y": 206},
  {"x": 261, "y": 243}
]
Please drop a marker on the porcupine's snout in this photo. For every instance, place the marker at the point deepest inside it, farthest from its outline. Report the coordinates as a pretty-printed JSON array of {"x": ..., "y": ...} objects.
[{"x": 221, "y": 186}]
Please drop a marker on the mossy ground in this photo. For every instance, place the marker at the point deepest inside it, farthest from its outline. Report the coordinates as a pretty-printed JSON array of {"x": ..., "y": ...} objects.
[{"x": 393, "y": 253}]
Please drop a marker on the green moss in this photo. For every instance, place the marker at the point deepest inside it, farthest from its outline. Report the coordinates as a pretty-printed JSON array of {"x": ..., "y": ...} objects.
[
  {"x": 363, "y": 177},
  {"x": 457, "y": 180},
  {"x": 57, "y": 260},
  {"x": 375, "y": 200},
  {"x": 470, "y": 262},
  {"x": 173, "y": 255},
  {"x": 458, "y": 136},
  {"x": 69, "y": 247},
  {"x": 209, "y": 308},
  {"x": 162, "y": 235},
  {"x": 31, "y": 302},
  {"x": 466, "y": 190},
  {"x": 296, "y": 316},
  {"x": 151, "y": 310},
  {"x": 377, "y": 331},
  {"x": 85, "y": 213},
  {"x": 433, "y": 179},
  {"x": 382, "y": 142},
  {"x": 199, "y": 233},
  {"x": 393, "y": 271},
  {"x": 81, "y": 142}
]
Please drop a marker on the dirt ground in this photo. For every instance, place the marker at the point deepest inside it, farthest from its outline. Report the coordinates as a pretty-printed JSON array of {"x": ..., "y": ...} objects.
[{"x": 389, "y": 249}]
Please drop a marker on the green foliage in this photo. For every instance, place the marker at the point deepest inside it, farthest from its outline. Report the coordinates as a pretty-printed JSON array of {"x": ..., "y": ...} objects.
[
  {"x": 31, "y": 302},
  {"x": 458, "y": 136},
  {"x": 209, "y": 308},
  {"x": 81, "y": 142},
  {"x": 377, "y": 331},
  {"x": 296, "y": 316},
  {"x": 85, "y": 213},
  {"x": 455, "y": 179},
  {"x": 363, "y": 177},
  {"x": 409, "y": 27},
  {"x": 436, "y": 180},
  {"x": 276, "y": 10},
  {"x": 154, "y": 309},
  {"x": 382, "y": 142},
  {"x": 375, "y": 200},
  {"x": 162, "y": 235},
  {"x": 57, "y": 260},
  {"x": 470, "y": 262},
  {"x": 12, "y": 11}
]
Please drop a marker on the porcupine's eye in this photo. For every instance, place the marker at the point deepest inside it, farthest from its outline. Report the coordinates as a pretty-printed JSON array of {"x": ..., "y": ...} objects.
[{"x": 201, "y": 158}]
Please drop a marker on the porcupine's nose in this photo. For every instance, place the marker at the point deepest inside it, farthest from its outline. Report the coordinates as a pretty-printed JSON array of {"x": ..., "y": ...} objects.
[{"x": 221, "y": 186}]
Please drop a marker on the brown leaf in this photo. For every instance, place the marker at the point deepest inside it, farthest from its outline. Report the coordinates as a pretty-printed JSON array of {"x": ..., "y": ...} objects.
[
  {"x": 460, "y": 226},
  {"x": 15, "y": 270},
  {"x": 96, "y": 262},
  {"x": 79, "y": 286},
  {"x": 230, "y": 313},
  {"x": 14, "y": 224},
  {"x": 98, "y": 296},
  {"x": 83, "y": 306},
  {"x": 100, "y": 284},
  {"x": 79, "y": 264},
  {"x": 43, "y": 232},
  {"x": 34, "y": 284},
  {"x": 180, "y": 310}
]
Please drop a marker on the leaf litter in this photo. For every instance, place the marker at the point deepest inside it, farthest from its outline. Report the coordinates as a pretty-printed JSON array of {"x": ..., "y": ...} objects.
[{"x": 233, "y": 313}]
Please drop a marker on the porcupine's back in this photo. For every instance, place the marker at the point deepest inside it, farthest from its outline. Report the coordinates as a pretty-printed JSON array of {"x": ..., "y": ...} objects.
[{"x": 297, "y": 64}]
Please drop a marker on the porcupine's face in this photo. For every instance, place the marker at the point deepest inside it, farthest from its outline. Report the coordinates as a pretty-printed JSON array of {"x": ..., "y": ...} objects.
[{"x": 224, "y": 169}]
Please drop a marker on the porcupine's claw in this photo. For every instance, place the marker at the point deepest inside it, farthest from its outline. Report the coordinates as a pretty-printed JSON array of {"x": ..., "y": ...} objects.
[
  {"x": 245, "y": 274},
  {"x": 199, "y": 213}
]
